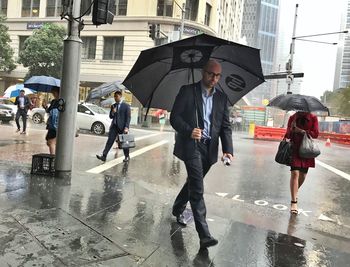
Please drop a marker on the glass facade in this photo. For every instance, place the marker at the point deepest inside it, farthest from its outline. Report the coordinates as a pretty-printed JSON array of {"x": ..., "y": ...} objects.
[
  {"x": 259, "y": 27},
  {"x": 345, "y": 60}
]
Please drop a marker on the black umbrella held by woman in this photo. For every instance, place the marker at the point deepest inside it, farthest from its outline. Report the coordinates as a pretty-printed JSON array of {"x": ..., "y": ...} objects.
[{"x": 297, "y": 102}]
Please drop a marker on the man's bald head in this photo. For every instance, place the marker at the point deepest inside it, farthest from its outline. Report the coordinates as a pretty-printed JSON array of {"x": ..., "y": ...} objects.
[{"x": 211, "y": 73}]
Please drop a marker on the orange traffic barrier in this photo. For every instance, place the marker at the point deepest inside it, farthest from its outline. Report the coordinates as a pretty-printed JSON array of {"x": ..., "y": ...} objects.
[
  {"x": 269, "y": 133},
  {"x": 343, "y": 139}
]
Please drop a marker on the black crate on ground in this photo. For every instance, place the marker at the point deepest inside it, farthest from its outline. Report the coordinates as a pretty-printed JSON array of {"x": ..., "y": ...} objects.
[{"x": 43, "y": 164}]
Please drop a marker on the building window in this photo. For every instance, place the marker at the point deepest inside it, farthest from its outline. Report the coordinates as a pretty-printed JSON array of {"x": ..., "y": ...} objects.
[
  {"x": 207, "y": 14},
  {"x": 30, "y": 8},
  {"x": 191, "y": 9},
  {"x": 121, "y": 7},
  {"x": 53, "y": 8},
  {"x": 21, "y": 43},
  {"x": 113, "y": 48},
  {"x": 3, "y": 7},
  {"x": 89, "y": 48},
  {"x": 165, "y": 8}
]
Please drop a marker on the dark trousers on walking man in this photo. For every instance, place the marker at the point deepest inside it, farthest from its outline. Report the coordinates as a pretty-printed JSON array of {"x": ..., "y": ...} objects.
[
  {"x": 21, "y": 113},
  {"x": 192, "y": 191},
  {"x": 112, "y": 136}
]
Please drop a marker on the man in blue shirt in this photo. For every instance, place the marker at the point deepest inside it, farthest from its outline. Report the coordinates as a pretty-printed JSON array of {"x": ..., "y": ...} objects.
[{"x": 197, "y": 143}]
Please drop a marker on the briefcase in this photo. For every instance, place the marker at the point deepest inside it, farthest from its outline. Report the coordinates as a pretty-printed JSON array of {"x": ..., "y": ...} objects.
[{"x": 126, "y": 141}]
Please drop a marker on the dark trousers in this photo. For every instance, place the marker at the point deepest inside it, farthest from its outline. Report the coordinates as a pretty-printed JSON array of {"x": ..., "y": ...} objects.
[
  {"x": 197, "y": 167},
  {"x": 112, "y": 135},
  {"x": 21, "y": 113}
]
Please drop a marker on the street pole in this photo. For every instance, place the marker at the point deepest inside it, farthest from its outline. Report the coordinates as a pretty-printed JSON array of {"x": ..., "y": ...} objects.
[
  {"x": 183, "y": 12},
  {"x": 292, "y": 48},
  {"x": 69, "y": 93}
]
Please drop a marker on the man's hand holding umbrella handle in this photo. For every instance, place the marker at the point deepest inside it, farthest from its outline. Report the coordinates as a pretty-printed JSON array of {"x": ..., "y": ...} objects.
[{"x": 196, "y": 134}]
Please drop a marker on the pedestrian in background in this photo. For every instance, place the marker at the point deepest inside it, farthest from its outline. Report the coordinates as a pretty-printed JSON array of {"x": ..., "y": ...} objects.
[
  {"x": 197, "y": 145},
  {"x": 299, "y": 124},
  {"x": 52, "y": 122},
  {"x": 120, "y": 114},
  {"x": 23, "y": 104}
]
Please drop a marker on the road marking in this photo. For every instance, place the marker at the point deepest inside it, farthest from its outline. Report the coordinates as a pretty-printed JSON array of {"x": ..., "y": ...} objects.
[
  {"x": 119, "y": 160},
  {"x": 222, "y": 194},
  {"x": 325, "y": 218},
  {"x": 332, "y": 169},
  {"x": 236, "y": 197}
]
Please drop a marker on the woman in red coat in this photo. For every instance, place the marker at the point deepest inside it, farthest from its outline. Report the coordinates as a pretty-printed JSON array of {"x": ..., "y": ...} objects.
[{"x": 299, "y": 124}]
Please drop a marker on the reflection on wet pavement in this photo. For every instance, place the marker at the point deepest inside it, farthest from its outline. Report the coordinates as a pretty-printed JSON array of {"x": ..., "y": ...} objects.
[{"x": 122, "y": 217}]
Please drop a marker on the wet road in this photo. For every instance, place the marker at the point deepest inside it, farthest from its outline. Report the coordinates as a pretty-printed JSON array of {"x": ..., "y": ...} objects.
[{"x": 117, "y": 214}]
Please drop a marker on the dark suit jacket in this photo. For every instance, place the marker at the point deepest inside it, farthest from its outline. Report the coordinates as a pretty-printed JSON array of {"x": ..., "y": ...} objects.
[
  {"x": 27, "y": 103},
  {"x": 122, "y": 117},
  {"x": 183, "y": 120}
]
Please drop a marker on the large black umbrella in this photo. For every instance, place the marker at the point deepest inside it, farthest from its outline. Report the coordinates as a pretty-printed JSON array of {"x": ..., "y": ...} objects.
[
  {"x": 103, "y": 90},
  {"x": 159, "y": 72},
  {"x": 297, "y": 102}
]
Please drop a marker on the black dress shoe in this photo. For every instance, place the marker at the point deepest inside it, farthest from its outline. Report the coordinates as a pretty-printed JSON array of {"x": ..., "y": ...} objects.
[
  {"x": 126, "y": 159},
  {"x": 208, "y": 242},
  {"x": 181, "y": 220},
  {"x": 103, "y": 158}
]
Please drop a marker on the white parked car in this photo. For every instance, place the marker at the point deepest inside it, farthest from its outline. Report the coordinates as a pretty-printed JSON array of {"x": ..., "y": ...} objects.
[
  {"x": 94, "y": 118},
  {"x": 9, "y": 104},
  {"x": 89, "y": 117}
]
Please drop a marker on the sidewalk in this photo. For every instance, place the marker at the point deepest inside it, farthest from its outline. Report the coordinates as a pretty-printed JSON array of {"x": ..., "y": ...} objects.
[
  {"x": 122, "y": 217},
  {"x": 111, "y": 220}
]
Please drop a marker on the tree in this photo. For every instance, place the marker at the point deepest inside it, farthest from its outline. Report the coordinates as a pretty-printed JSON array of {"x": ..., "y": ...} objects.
[
  {"x": 7, "y": 63},
  {"x": 43, "y": 51},
  {"x": 338, "y": 101}
]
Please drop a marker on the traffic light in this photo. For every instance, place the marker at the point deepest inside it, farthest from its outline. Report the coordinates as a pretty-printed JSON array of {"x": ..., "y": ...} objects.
[
  {"x": 152, "y": 31},
  {"x": 157, "y": 31},
  {"x": 102, "y": 12}
]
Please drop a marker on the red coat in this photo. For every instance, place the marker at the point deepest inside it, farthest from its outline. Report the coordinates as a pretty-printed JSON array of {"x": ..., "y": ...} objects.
[{"x": 309, "y": 123}]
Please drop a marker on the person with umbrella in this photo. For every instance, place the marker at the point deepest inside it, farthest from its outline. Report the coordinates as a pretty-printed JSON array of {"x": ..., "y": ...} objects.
[
  {"x": 121, "y": 115},
  {"x": 299, "y": 124},
  {"x": 302, "y": 122},
  {"x": 23, "y": 104},
  {"x": 200, "y": 116}
]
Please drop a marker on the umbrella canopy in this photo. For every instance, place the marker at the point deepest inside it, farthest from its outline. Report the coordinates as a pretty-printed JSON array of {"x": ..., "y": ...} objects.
[
  {"x": 42, "y": 83},
  {"x": 297, "y": 102},
  {"x": 14, "y": 90},
  {"x": 158, "y": 74},
  {"x": 103, "y": 90}
]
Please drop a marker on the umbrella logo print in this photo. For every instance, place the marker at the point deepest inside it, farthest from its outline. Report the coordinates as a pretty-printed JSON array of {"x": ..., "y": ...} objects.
[
  {"x": 192, "y": 55},
  {"x": 235, "y": 82}
]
